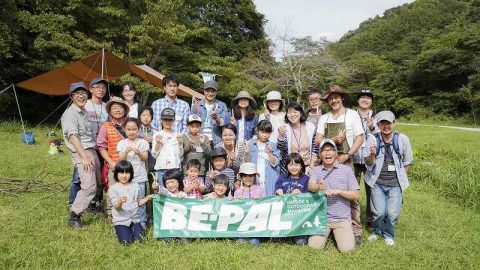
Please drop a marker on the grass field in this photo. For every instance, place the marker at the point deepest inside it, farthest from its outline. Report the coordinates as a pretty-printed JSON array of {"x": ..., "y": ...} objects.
[{"x": 438, "y": 228}]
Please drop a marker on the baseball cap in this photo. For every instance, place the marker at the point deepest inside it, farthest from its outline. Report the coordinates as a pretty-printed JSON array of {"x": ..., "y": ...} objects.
[
  {"x": 167, "y": 114},
  {"x": 77, "y": 85},
  {"x": 194, "y": 118},
  {"x": 365, "y": 92},
  {"x": 210, "y": 85},
  {"x": 328, "y": 141},
  {"x": 97, "y": 80},
  {"x": 385, "y": 115}
]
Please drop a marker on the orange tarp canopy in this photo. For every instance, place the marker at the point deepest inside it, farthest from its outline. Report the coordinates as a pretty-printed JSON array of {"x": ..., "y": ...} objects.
[{"x": 56, "y": 82}]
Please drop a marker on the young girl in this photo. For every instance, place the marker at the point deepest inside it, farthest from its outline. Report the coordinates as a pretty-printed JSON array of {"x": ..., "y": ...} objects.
[
  {"x": 125, "y": 198},
  {"x": 173, "y": 184},
  {"x": 218, "y": 157},
  {"x": 220, "y": 187},
  {"x": 249, "y": 189},
  {"x": 294, "y": 182},
  {"x": 265, "y": 154},
  {"x": 274, "y": 104},
  {"x": 243, "y": 116},
  {"x": 167, "y": 145},
  {"x": 129, "y": 93},
  {"x": 135, "y": 150},
  {"x": 193, "y": 183}
]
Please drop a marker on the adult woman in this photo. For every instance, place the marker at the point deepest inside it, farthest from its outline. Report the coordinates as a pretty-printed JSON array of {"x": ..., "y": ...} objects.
[
  {"x": 274, "y": 104},
  {"x": 297, "y": 136},
  {"x": 129, "y": 93},
  {"x": 235, "y": 149},
  {"x": 243, "y": 116}
]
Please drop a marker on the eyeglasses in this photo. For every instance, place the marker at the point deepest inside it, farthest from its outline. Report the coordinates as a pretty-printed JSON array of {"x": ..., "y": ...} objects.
[{"x": 80, "y": 94}]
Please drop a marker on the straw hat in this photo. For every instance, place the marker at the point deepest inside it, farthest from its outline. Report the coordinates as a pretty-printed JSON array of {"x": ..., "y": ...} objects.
[
  {"x": 274, "y": 95},
  {"x": 244, "y": 94},
  {"x": 117, "y": 100},
  {"x": 333, "y": 89}
]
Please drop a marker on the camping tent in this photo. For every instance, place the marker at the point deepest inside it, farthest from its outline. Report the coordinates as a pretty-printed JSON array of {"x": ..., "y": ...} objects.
[{"x": 99, "y": 64}]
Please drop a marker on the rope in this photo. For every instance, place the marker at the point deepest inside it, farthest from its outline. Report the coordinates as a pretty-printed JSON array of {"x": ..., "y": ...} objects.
[
  {"x": 1, "y": 92},
  {"x": 53, "y": 112},
  {"x": 19, "y": 111}
]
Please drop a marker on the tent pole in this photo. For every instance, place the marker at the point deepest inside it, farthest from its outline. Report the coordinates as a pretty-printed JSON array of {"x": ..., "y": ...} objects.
[
  {"x": 1, "y": 92},
  {"x": 19, "y": 111},
  {"x": 103, "y": 59}
]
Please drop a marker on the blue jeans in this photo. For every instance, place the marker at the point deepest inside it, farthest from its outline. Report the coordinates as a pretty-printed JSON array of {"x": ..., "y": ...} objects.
[
  {"x": 142, "y": 210},
  {"x": 160, "y": 175},
  {"x": 253, "y": 241},
  {"x": 385, "y": 202},
  {"x": 127, "y": 234}
]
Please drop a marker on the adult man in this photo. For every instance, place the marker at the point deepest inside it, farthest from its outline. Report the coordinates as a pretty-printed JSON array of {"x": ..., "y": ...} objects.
[
  {"x": 388, "y": 162},
  {"x": 315, "y": 105},
  {"x": 97, "y": 115},
  {"x": 365, "y": 101},
  {"x": 181, "y": 108},
  {"x": 212, "y": 112},
  {"x": 344, "y": 127},
  {"x": 341, "y": 188},
  {"x": 80, "y": 140}
]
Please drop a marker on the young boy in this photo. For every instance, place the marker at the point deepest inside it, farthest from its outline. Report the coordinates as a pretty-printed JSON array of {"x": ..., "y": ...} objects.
[
  {"x": 220, "y": 187},
  {"x": 167, "y": 145},
  {"x": 218, "y": 157},
  {"x": 195, "y": 146},
  {"x": 193, "y": 183},
  {"x": 387, "y": 163}
]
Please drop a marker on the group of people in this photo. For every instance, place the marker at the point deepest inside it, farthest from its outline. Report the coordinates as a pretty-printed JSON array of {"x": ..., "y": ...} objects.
[{"x": 209, "y": 151}]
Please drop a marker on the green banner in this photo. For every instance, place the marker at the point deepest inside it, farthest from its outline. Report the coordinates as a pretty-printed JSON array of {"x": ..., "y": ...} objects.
[{"x": 276, "y": 216}]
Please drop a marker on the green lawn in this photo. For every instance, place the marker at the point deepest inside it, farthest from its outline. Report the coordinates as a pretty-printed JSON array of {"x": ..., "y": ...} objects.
[{"x": 438, "y": 228}]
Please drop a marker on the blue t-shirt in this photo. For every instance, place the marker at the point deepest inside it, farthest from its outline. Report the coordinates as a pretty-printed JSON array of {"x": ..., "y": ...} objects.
[{"x": 288, "y": 184}]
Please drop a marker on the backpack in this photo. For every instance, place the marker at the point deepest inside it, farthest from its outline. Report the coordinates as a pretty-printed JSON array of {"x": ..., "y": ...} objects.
[{"x": 396, "y": 148}]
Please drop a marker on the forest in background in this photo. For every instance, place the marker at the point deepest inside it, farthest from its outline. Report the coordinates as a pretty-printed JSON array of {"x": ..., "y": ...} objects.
[{"x": 420, "y": 59}]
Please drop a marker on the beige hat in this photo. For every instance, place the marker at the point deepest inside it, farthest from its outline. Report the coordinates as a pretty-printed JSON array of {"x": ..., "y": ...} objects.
[
  {"x": 273, "y": 95},
  {"x": 248, "y": 168},
  {"x": 244, "y": 94},
  {"x": 117, "y": 100}
]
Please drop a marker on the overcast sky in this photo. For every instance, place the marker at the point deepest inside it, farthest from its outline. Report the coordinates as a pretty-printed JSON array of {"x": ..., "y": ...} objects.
[{"x": 319, "y": 18}]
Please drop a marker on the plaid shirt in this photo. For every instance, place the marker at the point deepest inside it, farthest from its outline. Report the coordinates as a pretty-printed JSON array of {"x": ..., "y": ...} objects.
[
  {"x": 195, "y": 192},
  {"x": 181, "y": 109}
]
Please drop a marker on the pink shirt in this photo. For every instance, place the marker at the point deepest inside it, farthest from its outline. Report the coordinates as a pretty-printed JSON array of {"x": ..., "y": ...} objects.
[{"x": 252, "y": 192}]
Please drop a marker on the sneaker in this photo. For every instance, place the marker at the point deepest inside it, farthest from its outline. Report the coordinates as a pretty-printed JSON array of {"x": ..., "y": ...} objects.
[
  {"x": 372, "y": 237},
  {"x": 75, "y": 222},
  {"x": 358, "y": 240},
  {"x": 389, "y": 241}
]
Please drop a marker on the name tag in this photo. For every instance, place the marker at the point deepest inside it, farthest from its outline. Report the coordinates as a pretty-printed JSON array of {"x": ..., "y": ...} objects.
[
  {"x": 198, "y": 148},
  {"x": 391, "y": 168}
]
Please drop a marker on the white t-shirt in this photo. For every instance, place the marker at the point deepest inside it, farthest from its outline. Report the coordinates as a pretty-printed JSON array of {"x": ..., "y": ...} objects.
[
  {"x": 97, "y": 115},
  {"x": 277, "y": 121},
  {"x": 261, "y": 163},
  {"x": 133, "y": 112},
  {"x": 241, "y": 130},
  {"x": 169, "y": 155},
  {"x": 353, "y": 124},
  {"x": 139, "y": 168}
]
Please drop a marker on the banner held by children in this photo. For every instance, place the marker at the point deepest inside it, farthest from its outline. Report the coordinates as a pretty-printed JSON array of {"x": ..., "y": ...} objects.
[{"x": 279, "y": 216}]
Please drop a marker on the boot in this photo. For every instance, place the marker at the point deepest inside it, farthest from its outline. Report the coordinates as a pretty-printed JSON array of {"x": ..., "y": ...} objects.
[{"x": 75, "y": 221}]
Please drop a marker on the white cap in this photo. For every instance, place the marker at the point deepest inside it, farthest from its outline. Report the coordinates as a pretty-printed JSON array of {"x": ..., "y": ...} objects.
[
  {"x": 194, "y": 118},
  {"x": 385, "y": 115},
  {"x": 328, "y": 141}
]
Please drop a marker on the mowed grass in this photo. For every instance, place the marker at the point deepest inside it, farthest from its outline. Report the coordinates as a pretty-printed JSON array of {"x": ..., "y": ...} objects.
[{"x": 437, "y": 229}]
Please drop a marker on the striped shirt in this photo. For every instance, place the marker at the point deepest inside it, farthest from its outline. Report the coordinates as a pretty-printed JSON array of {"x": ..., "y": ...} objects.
[
  {"x": 181, "y": 109},
  {"x": 342, "y": 178},
  {"x": 209, "y": 182}
]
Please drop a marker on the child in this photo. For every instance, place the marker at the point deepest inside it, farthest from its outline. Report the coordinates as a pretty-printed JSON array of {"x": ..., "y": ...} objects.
[
  {"x": 220, "y": 187},
  {"x": 249, "y": 189},
  {"x": 146, "y": 132},
  {"x": 218, "y": 157},
  {"x": 294, "y": 182},
  {"x": 173, "y": 184},
  {"x": 136, "y": 152},
  {"x": 265, "y": 154},
  {"x": 274, "y": 104},
  {"x": 124, "y": 196},
  {"x": 193, "y": 183},
  {"x": 167, "y": 145},
  {"x": 195, "y": 146}
]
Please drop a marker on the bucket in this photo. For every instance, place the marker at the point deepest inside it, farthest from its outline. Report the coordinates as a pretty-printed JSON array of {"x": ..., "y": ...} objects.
[{"x": 28, "y": 137}]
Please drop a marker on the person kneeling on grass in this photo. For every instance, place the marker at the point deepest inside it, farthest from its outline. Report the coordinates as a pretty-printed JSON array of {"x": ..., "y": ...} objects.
[
  {"x": 124, "y": 196},
  {"x": 387, "y": 161},
  {"x": 220, "y": 187},
  {"x": 341, "y": 188}
]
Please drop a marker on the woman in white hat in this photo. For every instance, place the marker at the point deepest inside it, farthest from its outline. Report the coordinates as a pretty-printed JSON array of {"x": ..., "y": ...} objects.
[
  {"x": 243, "y": 116},
  {"x": 274, "y": 104}
]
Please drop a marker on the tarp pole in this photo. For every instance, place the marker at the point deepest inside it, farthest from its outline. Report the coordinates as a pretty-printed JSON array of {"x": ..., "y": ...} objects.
[
  {"x": 1, "y": 92},
  {"x": 19, "y": 111},
  {"x": 103, "y": 59}
]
